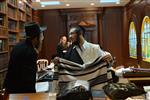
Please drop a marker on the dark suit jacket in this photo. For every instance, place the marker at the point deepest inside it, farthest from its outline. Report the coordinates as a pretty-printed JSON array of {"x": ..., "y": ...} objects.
[
  {"x": 73, "y": 55},
  {"x": 61, "y": 51},
  {"x": 21, "y": 75}
]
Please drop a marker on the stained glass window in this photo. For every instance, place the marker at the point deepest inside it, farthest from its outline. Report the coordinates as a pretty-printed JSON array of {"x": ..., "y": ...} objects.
[
  {"x": 132, "y": 41},
  {"x": 145, "y": 39}
]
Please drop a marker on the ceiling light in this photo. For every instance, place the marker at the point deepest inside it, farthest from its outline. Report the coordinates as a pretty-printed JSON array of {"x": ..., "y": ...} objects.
[
  {"x": 108, "y": 1},
  {"x": 42, "y": 5},
  {"x": 46, "y": 3},
  {"x": 118, "y": 2},
  {"x": 67, "y": 4},
  {"x": 92, "y": 4},
  {"x": 38, "y": 0},
  {"x": 20, "y": 2}
]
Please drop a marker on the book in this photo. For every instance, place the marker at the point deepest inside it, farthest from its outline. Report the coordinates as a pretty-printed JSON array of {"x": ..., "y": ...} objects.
[{"x": 1, "y": 45}]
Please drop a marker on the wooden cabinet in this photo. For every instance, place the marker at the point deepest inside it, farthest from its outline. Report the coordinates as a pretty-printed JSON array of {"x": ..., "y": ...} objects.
[
  {"x": 88, "y": 21},
  {"x": 85, "y": 18}
]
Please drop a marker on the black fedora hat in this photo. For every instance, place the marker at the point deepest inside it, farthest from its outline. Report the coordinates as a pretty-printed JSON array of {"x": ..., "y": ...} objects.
[{"x": 33, "y": 29}]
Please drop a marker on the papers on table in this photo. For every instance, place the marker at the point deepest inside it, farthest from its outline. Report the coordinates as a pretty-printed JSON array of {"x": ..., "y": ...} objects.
[{"x": 43, "y": 86}]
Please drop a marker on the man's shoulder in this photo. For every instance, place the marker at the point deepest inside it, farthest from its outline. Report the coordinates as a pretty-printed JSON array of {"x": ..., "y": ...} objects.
[
  {"x": 93, "y": 45},
  {"x": 21, "y": 47}
]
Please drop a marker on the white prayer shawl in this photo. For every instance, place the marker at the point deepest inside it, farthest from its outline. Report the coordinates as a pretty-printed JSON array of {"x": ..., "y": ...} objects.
[
  {"x": 95, "y": 72},
  {"x": 90, "y": 52}
]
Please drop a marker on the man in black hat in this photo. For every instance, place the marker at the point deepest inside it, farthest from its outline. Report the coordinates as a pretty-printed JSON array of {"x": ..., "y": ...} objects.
[{"x": 21, "y": 75}]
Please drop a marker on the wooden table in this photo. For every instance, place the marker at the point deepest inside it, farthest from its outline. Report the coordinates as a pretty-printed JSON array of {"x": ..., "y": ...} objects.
[
  {"x": 139, "y": 78},
  {"x": 32, "y": 96}
]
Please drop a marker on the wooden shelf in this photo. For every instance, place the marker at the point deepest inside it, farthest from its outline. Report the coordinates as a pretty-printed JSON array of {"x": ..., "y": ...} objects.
[
  {"x": 21, "y": 31},
  {"x": 3, "y": 27},
  {"x": 12, "y": 44},
  {"x": 11, "y": 18},
  {"x": 1, "y": 52},
  {"x": 11, "y": 5},
  {"x": 3, "y": 37},
  {"x": 2, "y": 12},
  {"x": 22, "y": 10},
  {"x": 29, "y": 5},
  {"x": 29, "y": 15},
  {"x": 21, "y": 20},
  {"x": 13, "y": 31},
  {"x": 3, "y": 70}
]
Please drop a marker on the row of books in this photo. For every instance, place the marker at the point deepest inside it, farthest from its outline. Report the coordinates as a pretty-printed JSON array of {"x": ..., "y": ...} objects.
[
  {"x": 28, "y": 19},
  {"x": 21, "y": 31},
  {"x": 28, "y": 1},
  {"x": 21, "y": 16},
  {"x": 12, "y": 39},
  {"x": 2, "y": 45},
  {"x": 3, "y": 60},
  {"x": 3, "y": 31},
  {"x": 28, "y": 10},
  {"x": 21, "y": 4},
  {"x": 12, "y": 12},
  {"x": 2, "y": 7},
  {"x": 13, "y": 2},
  {"x": 21, "y": 26},
  {"x": 12, "y": 25},
  {"x": 1, "y": 20}
]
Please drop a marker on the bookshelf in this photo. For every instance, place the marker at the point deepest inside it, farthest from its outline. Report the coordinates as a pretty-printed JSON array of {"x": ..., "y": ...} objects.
[
  {"x": 12, "y": 8},
  {"x": 13, "y": 15},
  {"x": 19, "y": 12},
  {"x": 3, "y": 39},
  {"x": 3, "y": 30},
  {"x": 28, "y": 11},
  {"x": 25, "y": 15}
]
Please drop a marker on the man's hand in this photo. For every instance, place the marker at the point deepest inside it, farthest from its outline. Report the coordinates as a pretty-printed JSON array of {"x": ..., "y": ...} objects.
[
  {"x": 56, "y": 60},
  {"x": 107, "y": 58}
]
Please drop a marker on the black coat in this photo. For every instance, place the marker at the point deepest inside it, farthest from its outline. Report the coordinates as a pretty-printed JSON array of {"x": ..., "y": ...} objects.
[
  {"x": 21, "y": 75},
  {"x": 73, "y": 55},
  {"x": 61, "y": 51}
]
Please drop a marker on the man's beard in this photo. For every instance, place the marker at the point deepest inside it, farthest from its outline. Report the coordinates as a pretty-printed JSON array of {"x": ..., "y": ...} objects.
[{"x": 77, "y": 42}]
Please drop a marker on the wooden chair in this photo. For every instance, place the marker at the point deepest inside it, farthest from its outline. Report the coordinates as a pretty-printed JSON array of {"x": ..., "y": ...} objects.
[{"x": 42, "y": 64}]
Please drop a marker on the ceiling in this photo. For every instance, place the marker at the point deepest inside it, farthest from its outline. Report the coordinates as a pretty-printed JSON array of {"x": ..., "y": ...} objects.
[{"x": 77, "y": 4}]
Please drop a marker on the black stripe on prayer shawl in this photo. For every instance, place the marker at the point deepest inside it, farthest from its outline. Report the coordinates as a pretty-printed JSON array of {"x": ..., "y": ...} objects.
[{"x": 81, "y": 73}]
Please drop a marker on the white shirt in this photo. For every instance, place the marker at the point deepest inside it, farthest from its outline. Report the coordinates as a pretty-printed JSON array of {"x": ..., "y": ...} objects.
[{"x": 90, "y": 52}]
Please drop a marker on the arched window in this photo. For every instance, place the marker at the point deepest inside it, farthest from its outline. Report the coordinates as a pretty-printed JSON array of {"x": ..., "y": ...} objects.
[
  {"x": 145, "y": 39},
  {"x": 132, "y": 41}
]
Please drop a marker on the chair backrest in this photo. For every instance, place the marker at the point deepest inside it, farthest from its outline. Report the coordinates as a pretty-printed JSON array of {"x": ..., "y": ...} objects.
[{"x": 42, "y": 64}]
